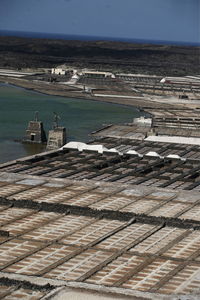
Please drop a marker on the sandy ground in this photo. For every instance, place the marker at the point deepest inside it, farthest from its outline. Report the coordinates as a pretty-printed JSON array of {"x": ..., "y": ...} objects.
[{"x": 70, "y": 294}]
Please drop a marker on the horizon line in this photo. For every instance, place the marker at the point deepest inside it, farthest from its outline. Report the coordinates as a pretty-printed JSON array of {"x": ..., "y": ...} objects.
[{"x": 96, "y": 38}]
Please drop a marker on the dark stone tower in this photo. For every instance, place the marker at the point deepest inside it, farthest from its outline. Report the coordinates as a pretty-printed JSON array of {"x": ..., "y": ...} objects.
[
  {"x": 57, "y": 136},
  {"x": 35, "y": 132}
]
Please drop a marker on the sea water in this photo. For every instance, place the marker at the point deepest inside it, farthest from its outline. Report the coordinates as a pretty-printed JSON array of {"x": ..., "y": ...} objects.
[
  {"x": 79, "y": 116},
  {"x": 45, "y": 35}
]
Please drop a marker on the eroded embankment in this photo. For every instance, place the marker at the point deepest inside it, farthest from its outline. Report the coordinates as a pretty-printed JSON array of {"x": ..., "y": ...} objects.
[{"x": 59, "y": 90}]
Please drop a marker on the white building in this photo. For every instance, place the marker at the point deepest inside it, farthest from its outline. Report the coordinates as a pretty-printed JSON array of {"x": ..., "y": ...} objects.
[
  {"x": 97, "y": 74},
  {"x": 58, "y": 71},
  {"x": 62, "y": 70}
]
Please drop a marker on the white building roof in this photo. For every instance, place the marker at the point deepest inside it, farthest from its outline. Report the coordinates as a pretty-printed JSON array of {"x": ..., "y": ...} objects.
[
  {"x": 174, "y": 139},
  {"x": 82, "y": 146}
]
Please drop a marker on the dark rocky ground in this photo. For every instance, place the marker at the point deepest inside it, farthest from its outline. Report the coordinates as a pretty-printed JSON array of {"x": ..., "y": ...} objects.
[{"x": 125, "y": 57}]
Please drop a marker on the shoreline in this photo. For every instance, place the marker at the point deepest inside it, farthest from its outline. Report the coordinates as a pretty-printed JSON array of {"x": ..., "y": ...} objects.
[
  {"x": 77, "y": 130},
  {"x": 71, "y": 97},
  {"x": 61, "y": 91}
]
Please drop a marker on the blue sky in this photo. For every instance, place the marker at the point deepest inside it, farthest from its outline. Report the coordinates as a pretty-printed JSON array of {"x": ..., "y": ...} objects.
[{"x": 172, "y": 20}]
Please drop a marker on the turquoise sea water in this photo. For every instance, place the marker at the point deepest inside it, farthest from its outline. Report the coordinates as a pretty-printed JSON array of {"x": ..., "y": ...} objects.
[{"x": 80, "y": 117}]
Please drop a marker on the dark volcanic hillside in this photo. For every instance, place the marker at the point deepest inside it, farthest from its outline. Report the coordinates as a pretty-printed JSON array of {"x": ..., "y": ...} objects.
[{"x": 137, "y": 58}]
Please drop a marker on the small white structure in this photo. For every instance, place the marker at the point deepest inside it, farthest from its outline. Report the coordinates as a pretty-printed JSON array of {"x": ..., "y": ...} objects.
[
  {"x": 73, "y": 79},
  {"x": 62, "y": 70},
  {"x": 186, "y": 80},
  {"x": 153, "y": 153},
  {"x": 58, "y": 71},
  {"x": 174, "y": 139},
  {"x": 142, "y": 121},
  {"x": 174, "y": 156},
  {"x": 97, "y": 74},
  {"x": 82, "y": 146},
  {"x": 134, "y": 153}
]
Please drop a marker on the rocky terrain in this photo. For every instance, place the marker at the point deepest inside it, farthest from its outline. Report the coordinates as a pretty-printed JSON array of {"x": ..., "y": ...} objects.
[{"x": 125, "y": 57}]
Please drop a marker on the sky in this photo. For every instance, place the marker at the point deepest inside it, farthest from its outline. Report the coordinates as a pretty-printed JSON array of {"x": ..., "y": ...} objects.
[{"x": 167, "y": 20}]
